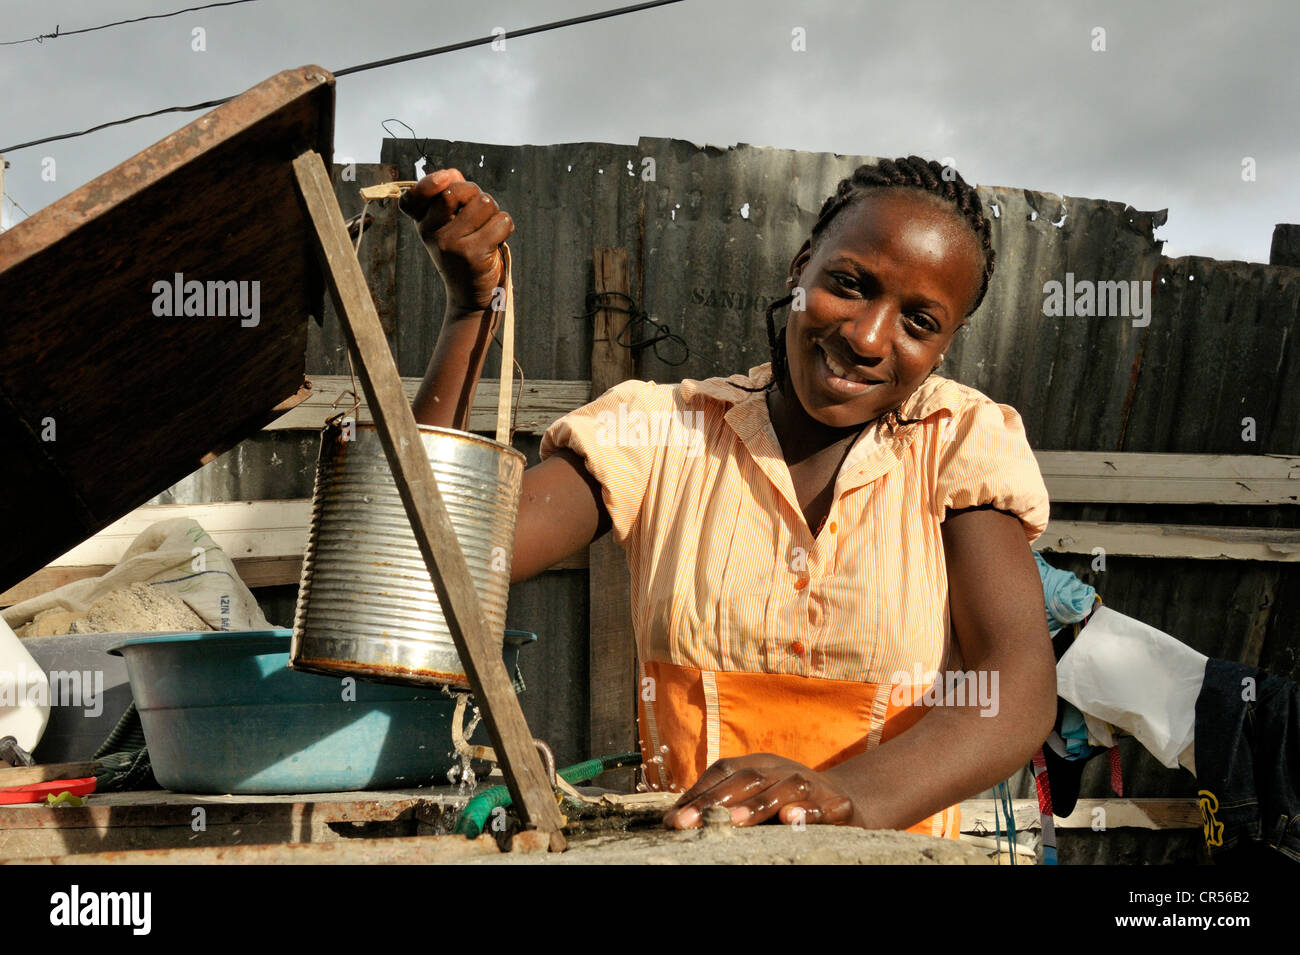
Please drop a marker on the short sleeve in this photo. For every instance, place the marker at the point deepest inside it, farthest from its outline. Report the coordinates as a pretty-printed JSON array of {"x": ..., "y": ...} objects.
[
  {"x": 598, "y": 433},
  {"x": 986, "y": 459}
]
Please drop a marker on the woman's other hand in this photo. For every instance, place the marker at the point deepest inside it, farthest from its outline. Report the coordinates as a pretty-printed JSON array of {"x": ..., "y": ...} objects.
[
  {"x": 463, "y": 228},
  {"x": 760, "y": 787}
]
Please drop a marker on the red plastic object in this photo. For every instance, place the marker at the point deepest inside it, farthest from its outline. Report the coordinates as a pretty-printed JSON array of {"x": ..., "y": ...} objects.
[{"x": 36, "y": 792}]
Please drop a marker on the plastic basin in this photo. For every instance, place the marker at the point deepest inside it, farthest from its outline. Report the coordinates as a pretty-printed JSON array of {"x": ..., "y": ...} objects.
[{"x": 223, "y": 713}]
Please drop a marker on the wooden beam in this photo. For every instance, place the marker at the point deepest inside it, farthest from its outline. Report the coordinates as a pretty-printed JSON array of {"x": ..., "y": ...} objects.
[
  {"x": 1075, "y": 476},
  {"x": 242, "y": 529},
  {"x": 265, "y": 539},
  {"x": 977, "y": 814},
  {"x": 542, "y": 402},
  {"x": 47, "y": 772},
  {"x": 612, "y": 651},
  {"x": 400, "y": 436},
  {"x": 1132, "y": 478},
  {"x": 1171, "y": 541},
  {"x": 408, "y": 850}
]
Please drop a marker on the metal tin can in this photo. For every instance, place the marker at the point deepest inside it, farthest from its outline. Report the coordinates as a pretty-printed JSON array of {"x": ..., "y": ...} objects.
[{"x": 366, "y": 605}]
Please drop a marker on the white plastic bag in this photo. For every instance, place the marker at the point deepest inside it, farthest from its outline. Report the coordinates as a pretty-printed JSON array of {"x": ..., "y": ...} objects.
[
  {"x": 1136, "y": 678},
  {"x": 24, "y": 692},
  {"x": 175, "y": 555}
]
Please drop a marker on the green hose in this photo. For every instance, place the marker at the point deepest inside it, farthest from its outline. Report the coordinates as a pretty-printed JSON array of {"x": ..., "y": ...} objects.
[{"x": 476, "y": 812}]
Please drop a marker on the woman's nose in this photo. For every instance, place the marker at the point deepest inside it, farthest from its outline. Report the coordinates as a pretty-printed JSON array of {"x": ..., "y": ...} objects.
[{"x": 868, "y": 333}]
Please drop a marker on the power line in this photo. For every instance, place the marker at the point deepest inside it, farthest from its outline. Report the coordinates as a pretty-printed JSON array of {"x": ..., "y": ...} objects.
[
  {"x": 374, "y": 65},
  {"x": 554, "y": 25},
  {"x": 120, "y": 122},
  {"x": 41, "y": 38},
  {"x": 17, "y": 206}
]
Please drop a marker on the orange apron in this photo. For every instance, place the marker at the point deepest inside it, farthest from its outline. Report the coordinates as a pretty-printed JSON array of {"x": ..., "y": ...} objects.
[{"x": 692, "y": 718}]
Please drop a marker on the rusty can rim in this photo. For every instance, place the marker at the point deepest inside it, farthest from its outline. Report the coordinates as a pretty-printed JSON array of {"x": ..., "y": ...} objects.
[{"x": 468, "y": 436}]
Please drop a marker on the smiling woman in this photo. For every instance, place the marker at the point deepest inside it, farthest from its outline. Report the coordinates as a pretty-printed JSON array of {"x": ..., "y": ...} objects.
[{"x": 840, "y": 518}]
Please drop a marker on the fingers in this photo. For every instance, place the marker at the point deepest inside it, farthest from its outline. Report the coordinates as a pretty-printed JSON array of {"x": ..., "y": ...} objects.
[
  {"x": 762, "y": 806},
  {"x": 754, "y": 797},
  {"x": 474, "y": 234},
  {"x": 466, "y": 221},
  {"x": 416, "y": 201},
  {"x": 837, "y": 812},
  {"x": 448, "y": 206},
  {"x": 715, "y": 774},
  {"x": 732, "y": 787},
  {"x": 474, "y": 214}
]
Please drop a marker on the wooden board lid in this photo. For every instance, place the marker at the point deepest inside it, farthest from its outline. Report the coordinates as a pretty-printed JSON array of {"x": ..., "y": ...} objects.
[{"x": 107, "y": 395}]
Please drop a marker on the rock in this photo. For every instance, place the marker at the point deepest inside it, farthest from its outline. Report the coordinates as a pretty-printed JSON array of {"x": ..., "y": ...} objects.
[{"x": 757, "y": 845}]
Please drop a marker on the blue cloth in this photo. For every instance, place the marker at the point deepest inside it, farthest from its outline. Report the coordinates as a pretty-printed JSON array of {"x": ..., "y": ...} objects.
[
  {"x": 1067, "y": 598},
  {"x": 1074, "y": 733}
]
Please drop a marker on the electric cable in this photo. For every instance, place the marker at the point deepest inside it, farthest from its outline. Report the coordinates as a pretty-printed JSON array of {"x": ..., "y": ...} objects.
[
  {"x": 41, "y": 38},
  {"x": 360, "y": 68}
]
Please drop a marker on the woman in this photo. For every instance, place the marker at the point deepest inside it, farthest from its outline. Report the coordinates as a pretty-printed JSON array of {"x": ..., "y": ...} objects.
[{"x": 809, "y": 543}]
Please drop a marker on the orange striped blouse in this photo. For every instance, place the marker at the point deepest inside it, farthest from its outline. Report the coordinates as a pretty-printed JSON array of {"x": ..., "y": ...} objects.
[{"x": 727, "y": 575}]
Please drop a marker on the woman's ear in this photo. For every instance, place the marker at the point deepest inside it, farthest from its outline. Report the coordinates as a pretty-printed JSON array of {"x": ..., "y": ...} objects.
[{"x": 798, "y": 263}]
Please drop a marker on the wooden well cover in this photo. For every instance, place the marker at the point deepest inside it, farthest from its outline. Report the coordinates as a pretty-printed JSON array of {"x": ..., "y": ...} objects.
[{"x": 107, "y": 395}]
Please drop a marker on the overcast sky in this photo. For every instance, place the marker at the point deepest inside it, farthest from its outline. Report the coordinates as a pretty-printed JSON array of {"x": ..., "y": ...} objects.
[{"x": 1013, "y": 91}]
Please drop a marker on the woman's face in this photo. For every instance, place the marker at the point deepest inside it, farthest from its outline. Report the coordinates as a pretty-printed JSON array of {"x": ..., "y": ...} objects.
[{"x": 887, "y": 285}]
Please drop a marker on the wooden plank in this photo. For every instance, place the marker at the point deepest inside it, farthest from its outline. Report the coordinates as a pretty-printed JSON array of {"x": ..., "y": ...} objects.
[
  {"x": 107, "y": 395},
  {"x": 395, "y": 423},
  {"x": 1075, "y": 476},
  {"x": 1171, "y": 540},
  {"x": 163, "y": 820},
  {"x": 27, "y": 775},
  {"x": 242, "y": 529},
  {"x": 542, "y": 402},
  {"x": 612, "y": 652},
  {"x": 270, "y": 536},
  {"x": 1131, "y": 478},
  {"x": 505, "y": 396},
  {"x": 977, "y": 815},
  {"x": 409, "y": 850}
]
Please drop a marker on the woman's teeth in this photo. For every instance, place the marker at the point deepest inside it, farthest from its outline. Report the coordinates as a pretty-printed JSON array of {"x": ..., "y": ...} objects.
[{"x": 839, "y": 371}]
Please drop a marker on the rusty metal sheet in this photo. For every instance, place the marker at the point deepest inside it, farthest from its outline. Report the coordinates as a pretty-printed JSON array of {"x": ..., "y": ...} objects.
[{"x": 105, "y": 397}]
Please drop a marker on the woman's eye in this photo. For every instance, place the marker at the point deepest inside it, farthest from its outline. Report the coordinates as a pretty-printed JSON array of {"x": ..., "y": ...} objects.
[
  {"x": 923, "y": 322},
  {"x": 844, "y": 281}
]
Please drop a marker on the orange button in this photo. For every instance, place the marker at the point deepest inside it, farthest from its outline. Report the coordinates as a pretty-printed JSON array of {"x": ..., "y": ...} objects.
[
  {"x": 800, "y": 584},
  {"x": 832, "y": 527},
  {"x": 796, "y": 648}
]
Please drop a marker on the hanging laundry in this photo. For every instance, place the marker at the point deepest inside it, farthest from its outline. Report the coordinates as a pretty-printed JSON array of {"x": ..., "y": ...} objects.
[
  {"x": 1067, "y": 598},
  {"x": 1248, "y": 762},
  {"x": 1136, "y": 678}
]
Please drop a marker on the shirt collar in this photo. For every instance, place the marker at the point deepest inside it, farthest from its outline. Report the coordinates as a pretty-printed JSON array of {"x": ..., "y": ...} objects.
[
  {"x": 874, "y": 452},
  {"x": 932, "y": 395}
]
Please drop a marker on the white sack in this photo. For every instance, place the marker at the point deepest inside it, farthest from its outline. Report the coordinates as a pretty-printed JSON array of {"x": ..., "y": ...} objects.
[
  {"x": 24, "y": 692},
  {"x": 1136, "y": 678},
  {"x": 175, "y": 555}
]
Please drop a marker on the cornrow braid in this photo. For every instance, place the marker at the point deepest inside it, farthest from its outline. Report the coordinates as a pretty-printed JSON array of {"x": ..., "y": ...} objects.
[
  {"x": 928, "y": 176},
  {"x": 908, "y": 172}
]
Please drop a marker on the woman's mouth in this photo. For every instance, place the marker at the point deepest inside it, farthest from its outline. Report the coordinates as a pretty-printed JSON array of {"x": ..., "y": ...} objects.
[{"x": 840, "y": 379}]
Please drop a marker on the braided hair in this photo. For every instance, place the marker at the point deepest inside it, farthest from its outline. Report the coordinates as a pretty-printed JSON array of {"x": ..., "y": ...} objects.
[{"x": 945, "y": 184}]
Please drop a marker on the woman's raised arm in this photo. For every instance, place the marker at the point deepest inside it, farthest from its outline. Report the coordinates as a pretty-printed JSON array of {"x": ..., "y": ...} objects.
[{"x": 561, "y": 509}]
